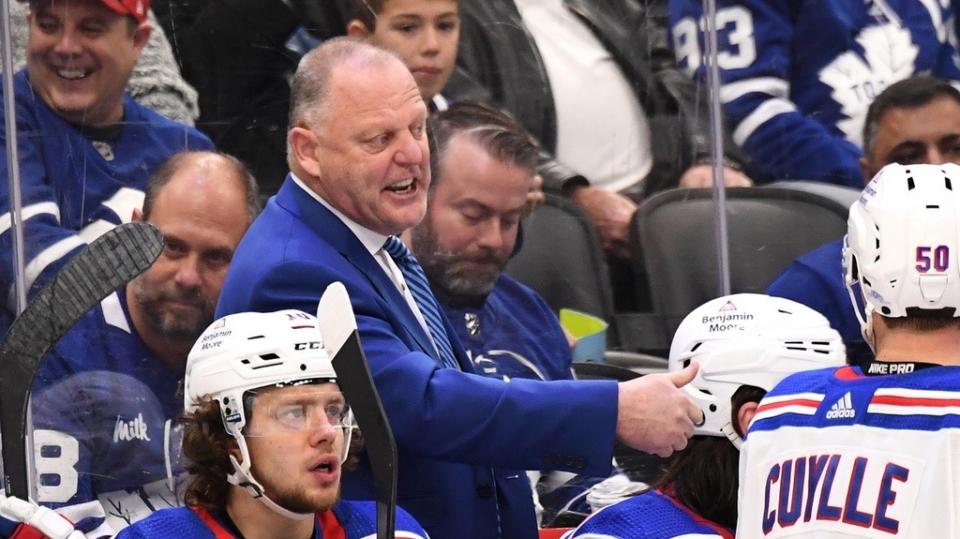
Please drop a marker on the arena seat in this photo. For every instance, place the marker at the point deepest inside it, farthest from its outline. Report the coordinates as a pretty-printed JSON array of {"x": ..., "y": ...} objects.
[
  {"x": 673, "y": 238},
  {"x": 561, "y": 259}
]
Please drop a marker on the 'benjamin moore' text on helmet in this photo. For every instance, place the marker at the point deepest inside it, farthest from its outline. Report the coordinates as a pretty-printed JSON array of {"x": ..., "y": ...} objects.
[{"x": 748, "y": 339}]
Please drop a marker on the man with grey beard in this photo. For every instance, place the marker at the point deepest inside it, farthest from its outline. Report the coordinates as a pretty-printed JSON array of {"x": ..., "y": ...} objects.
[
  {"x": 483, "y": 165},
  {"x": 107, "y": 396}
]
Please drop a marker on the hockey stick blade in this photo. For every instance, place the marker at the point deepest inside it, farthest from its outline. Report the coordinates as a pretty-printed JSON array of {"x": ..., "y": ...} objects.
[
  {"x": 108, "y": 263},
  {"x": 339, "y": 329}
]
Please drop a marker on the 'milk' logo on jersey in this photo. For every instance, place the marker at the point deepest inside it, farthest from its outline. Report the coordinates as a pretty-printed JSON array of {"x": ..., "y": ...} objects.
[
  {"x": 127, "y": 431},
  {"x": 843, "y": 408}
]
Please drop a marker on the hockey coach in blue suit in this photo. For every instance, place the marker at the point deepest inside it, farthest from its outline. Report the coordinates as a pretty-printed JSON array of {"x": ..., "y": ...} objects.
[{"x": 360, "y": 172}]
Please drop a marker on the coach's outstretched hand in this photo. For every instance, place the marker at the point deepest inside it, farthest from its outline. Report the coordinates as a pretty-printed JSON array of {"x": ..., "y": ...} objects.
[{"x": 654, "y": 415}]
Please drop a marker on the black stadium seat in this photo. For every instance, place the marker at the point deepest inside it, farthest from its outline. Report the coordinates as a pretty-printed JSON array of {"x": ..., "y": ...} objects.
[{"x": 673, "y": 238}]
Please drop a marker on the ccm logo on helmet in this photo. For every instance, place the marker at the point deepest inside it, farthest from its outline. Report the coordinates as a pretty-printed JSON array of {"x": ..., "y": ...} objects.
[{"x": 312, "y": 345}]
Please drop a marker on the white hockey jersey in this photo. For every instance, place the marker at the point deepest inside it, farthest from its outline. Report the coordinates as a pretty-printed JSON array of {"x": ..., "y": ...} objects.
[{"x": 833, "y": 453}]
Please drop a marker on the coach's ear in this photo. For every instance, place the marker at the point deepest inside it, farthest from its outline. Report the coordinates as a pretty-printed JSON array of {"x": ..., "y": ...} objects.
[
  {"x": 303, "y": 145},
  {"x": 745, "y": 416},
  {"x": 137, "y": 215}
]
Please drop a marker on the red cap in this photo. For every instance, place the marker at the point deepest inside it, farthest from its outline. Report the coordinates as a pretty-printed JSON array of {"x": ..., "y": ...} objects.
[{"x": 134, "y": 8}]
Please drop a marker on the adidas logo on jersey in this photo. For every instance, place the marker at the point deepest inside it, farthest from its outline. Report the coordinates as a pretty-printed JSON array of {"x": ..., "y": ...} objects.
[{"x": 842, "y": 409}]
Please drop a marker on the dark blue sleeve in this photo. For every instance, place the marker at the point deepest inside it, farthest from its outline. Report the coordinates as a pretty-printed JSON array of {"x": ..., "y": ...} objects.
[{"x": 757, "y": 38}]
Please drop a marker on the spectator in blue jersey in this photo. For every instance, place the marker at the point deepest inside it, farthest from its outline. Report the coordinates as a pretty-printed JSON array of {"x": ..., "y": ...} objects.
[
  {"x": 916, "y": 120},
  {"x": 266, "y": 432},
  {"x": 482, "y": 168},
  {"x": 86, "y": 148},
  {"x": 107, "y": 396},
  {"x": 797, "y": 78},
  {"x": 746, "y": 344}
]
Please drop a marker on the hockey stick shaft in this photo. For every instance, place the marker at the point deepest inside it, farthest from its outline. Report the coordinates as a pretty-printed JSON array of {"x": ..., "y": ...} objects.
[
  {"x": 355, "y": 381},
  {"x": 339, "y": 328},
  {"x": 107, "y": 264}
]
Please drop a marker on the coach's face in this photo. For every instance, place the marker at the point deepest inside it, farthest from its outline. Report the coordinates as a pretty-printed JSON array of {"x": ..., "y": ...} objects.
[{"x": 371, "y": 152}]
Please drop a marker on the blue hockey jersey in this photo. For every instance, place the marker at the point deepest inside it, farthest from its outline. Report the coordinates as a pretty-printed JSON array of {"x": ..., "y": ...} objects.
[
  {"x": 74, "y": 188},
  {"x": 347, "y": 520},
  {"x": 651, "y": 515},
  {"x": 514, "y": 334},
  {"x": 798, "y": 75},
  {"x": 104, "y": 412},
  {"x": 833, "y": 453}
]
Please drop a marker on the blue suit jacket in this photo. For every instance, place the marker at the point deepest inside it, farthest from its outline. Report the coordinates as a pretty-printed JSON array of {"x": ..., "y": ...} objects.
[{"x": 452, "y": 427}]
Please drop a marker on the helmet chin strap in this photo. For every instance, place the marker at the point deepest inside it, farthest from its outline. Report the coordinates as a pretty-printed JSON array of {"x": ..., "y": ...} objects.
[
  {"x": 865, "y": 318},
  {"x": 242, "y": 477},
  {"x": 731, "y": 434}
]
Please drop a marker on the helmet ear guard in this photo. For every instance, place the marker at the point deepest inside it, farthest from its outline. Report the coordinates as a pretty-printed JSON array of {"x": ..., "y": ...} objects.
[{"x": 748, "y": 339}]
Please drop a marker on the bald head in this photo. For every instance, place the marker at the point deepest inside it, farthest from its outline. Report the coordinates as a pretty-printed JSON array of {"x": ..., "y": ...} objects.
[
  {"x": 312, "y": 83},
  {"x": 216, "y": 166}
]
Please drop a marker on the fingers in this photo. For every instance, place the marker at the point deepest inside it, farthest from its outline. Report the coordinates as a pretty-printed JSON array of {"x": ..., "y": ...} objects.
[{"x": 683, "y": 377}]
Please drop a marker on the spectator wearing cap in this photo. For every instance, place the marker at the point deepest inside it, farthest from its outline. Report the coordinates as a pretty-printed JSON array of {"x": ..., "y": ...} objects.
[{"x": 86, "y": 148}]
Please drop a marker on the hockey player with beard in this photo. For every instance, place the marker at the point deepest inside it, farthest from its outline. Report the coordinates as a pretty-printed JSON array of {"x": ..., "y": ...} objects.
[
  {"x": 745, "y": 344},
  {"x": 871, "y": 451},
  {"x": 797, "y": 77},
  {"x": 266, "y": 432}
]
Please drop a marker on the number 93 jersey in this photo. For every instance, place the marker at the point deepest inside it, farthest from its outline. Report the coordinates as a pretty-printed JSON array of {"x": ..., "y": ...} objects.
[
  {"x": 834, "y": 453},
  {"x": 797, "y": 76}
]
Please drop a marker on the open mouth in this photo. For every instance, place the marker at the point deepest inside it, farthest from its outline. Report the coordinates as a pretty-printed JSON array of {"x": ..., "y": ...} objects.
[
  {"x": 72, "y": 74},
  {"x": 403, "y": 187}
]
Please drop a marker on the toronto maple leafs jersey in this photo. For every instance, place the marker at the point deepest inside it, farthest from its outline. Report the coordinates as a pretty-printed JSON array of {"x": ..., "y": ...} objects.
[
  {"x": 651, "y": 515},
  {"x": 833, "y": 453},
  {"x": 104, "y": 412},
  {"x": 346, "y": 520},
  {"x": 73, "y": 188},
  {"x": 797, "y": 76},
  {"x": 513, "y": 334}
]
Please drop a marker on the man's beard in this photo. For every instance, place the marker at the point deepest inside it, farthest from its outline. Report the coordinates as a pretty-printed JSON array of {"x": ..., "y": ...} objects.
[
  {"x": 293, "y": 499},
  {"x": 167, "y": 323},
  {"x": 456, "y": 274}
]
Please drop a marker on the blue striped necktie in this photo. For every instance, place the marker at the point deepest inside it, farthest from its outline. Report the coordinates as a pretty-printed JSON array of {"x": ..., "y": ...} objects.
[{"x": 420, "y": 288}]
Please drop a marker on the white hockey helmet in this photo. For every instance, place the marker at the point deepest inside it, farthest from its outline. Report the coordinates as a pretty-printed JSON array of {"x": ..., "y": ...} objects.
[
  {"x": 245, "y": 352},
  {"x": 902, "y": 240},
  {"x": 748, "y": 339}
]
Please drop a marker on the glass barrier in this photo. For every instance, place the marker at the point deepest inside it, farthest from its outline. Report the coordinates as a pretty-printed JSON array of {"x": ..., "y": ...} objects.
[{"x": 633, "y": 130}]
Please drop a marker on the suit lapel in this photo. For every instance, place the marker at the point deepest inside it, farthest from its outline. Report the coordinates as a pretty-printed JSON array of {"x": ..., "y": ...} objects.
[{"x": 332, "y": 230}]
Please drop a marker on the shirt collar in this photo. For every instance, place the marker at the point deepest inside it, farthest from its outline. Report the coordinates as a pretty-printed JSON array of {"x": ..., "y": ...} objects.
[{"x": 372, "y": 241}]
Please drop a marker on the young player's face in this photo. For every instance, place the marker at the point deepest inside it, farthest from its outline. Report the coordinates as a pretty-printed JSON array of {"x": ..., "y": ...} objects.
[
  {"x": 79, "y": 56},
  {"x": 471, "y": 225},
  {"x": 426, "y": 35},
  {"x": 372, "y": 148},
  {"x": 926, "y": 134},
  {"x": 296, "y": 439},
  {"x": 202, "y": 214}
]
